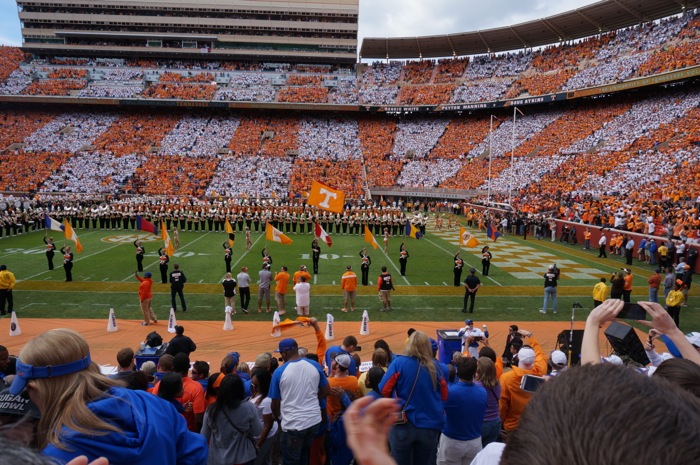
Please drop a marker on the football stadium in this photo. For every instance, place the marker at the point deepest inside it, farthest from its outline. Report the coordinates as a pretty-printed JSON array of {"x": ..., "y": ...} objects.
[{"x": 244, "y": 177}]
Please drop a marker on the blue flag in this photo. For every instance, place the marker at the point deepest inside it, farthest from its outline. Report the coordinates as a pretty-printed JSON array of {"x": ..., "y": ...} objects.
[{"x": 412, "y": 231}]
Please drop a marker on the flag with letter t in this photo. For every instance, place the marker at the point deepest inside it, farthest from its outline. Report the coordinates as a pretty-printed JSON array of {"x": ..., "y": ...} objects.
[{"x": 326, "y": 198}]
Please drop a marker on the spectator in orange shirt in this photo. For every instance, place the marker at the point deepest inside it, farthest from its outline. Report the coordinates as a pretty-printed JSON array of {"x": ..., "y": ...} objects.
[
  {"x": 193, "y": 393},
  {"x": 348, "y": 283},
  {"x": 146, "y": 297},
  {"x": 627, "y": 288},
  {"x": 531, "y": 361},
  {"x": 282, "y": 280}
]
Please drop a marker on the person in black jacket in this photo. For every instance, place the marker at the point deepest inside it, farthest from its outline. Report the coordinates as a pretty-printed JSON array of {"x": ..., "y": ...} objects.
[
  {"x": 180, "y": 343},
  {"x": 177, "y": 284},
  {"x": 229, "y": 285}
]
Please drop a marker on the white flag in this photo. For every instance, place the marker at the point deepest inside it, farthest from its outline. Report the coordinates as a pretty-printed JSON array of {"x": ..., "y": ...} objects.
[
  {"x": 330, "y": 335},
  {"x": 112, "y": 323},
  {"x": 228, "y": 325},
  {"x": 172, "y": 321}
]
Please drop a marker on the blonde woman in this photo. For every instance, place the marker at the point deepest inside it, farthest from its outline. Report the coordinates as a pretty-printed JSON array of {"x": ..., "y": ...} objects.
[
  {"x": 417, "y": 382},
  {"x": 486, "y": 378},
  {"x": 86, "y": 413}
]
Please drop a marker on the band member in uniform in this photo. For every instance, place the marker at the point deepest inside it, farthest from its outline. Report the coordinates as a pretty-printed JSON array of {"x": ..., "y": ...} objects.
[
  {"x": 227, "y": 256},
  {"x": 315, "y": 254},
  {"x": 163, "y": 260},
  {"x": 403, "y": 258},
  {"x": 267, "y": 259},
  {"x": 485, "y": 260},
  {"x": 139, "y": 255},
  {"x": 50, "y": 250},
  {"x": 67, "y": 262},
  {"x": 364, "y": 266},
  {"x": 458, "y": 265}
]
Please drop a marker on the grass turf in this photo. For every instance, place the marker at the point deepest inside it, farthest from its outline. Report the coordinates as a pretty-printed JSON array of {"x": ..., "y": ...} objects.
[{"x": 104, "y": 277}]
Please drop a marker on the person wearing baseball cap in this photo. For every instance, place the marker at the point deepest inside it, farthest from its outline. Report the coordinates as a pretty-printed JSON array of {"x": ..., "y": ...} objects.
[
  {"x": 471, "y": 337},
  {"x": 295, "y": 391},
  {"x": 557, "y": 360},
  {"x": 531, "y": 360},
  {"x": 146, "y": 297}
]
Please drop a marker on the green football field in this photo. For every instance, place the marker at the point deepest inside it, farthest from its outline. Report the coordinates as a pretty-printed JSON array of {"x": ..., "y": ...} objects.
[{"x": 103, "y": 276}]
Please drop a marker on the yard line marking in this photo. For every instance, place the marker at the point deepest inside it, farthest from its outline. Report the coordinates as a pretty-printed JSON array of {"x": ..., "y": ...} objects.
[
  {"x": 33, "y": 303},
  {"x": 246, "y": 252}
]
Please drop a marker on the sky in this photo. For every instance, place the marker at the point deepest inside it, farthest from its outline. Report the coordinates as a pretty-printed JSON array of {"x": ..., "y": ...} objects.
[{"x": 399, "y": 18}]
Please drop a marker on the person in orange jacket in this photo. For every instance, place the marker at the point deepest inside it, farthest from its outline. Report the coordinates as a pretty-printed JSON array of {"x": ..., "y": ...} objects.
[{"x": 146, "y": 297}]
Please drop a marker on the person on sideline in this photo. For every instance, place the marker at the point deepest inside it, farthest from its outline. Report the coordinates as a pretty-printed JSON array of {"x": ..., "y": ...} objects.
[
  {"x": 281, "y": 284},
  {"x": 177, "y": 285},
  {"x": 600, "y": 292},
  {"x": 385, "y": 285},
  {"x": 146, "y": 298},
  {"x": 243, "y": 279},
  {"x": 472, "y": 283},
  {"x": 7, "y": 283},
  {"x": 550, "y": 289},
  {"x": 348, "y": 283},
  {"x": 180, "y": 343},
  {"x": 303, "y": 296},
  {"x": 229, "y": 285},
  {"x": 654, "y": 282},
  {"x": 99, "y": 418}
]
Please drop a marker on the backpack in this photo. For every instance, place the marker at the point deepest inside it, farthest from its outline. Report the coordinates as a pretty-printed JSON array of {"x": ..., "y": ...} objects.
[{"x": 154, "y": 339}]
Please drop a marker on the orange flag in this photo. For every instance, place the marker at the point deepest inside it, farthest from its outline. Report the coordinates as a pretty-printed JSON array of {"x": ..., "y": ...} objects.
[
  {"x": 275, "y": 235},
  {"x": 370, "y": 238},
  {"x": 326, "y": 198}
]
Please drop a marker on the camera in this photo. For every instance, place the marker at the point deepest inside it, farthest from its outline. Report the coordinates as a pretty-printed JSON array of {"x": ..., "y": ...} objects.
[{"x": 357, "y": 349}]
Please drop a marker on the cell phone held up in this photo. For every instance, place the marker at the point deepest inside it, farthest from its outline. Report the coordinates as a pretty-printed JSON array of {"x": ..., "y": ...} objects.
[
  {"x": 531, "y": 383},
  {"x": 632, "y": 311}
]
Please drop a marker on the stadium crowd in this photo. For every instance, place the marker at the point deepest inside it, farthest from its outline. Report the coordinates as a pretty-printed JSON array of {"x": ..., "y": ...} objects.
[{"x": 469, "y": 405}]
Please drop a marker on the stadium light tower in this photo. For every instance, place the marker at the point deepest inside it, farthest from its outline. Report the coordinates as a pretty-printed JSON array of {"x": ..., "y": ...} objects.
[
  {"x": 488, "y": 195},
  {"x": 512, "y": 152}
]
